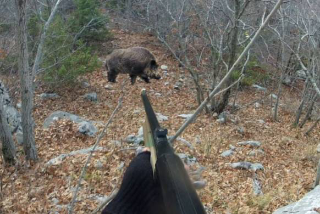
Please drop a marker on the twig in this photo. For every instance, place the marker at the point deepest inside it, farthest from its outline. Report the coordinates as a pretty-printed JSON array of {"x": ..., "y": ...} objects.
[
  {"x": 226, "y": 77},
  {"x": 101, "y": 135},
  {"x": 113, "y": 194}
]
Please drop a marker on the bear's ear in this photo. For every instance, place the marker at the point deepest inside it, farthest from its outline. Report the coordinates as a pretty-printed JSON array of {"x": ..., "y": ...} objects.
[{"x": 153, "y": 65}]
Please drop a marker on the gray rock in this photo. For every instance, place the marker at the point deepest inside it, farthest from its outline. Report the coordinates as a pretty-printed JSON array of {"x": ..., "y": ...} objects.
[
  {"x": 185, "y": 116},
  {"x": 132, "y": 139},
  {"x": 108, "y": 87},
  {"x": 241, "y": 165},
  {"x": 257, "y": 189},
  {"x": 259, "y": 88},
  {"x": 19, "y": 105},
  {"x": 55, "y": 201},
  {"x": 306, "y": 205},
  {"x": 256, "y": 166},
  {"x": 318, "y": 148},
  {"x": 93, "y": 97},
  {"x": 256, "y": 152},
  {"x": 166, "y": 83},
  {"x": 257, "y": 105},
  {"x": 287, "y": 80},
  {"x": 121, "y": 165},
  {"x": 161, "y": 117},
  {"x": 184, "y": 141},
  {"x": 199, "y": 184},
  {"x": 60, "y": 158},
  {"x": 301, "y": 74},
  {"x": 227, "y": 153},
  {"x": 13, "y": 118},
  {"x": 250, "y": 143},
  {"x": 85, "y": 84},
  {"x": 261, "y": 121},
  {"x": 87, "y": 128},
  {"x": 98, "y": 165},
  {"x": 49, "y": 96},
  {"x": 273, "y": 96},
  {"x": 164, "y": 67},
  {"x": 158, "y": 94},
  {"x": 247, "y": 165},
  {"x": 233, "y": 148},
  {"x": 140, "y": 132},
  {"x": 178, "y": 85},
  {"x": 62, "y": 115},
  {"x": 240, "y": 130}
]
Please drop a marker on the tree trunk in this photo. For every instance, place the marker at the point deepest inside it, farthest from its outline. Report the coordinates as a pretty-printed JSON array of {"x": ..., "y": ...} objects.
[
  {"x": 299, "y": 110},
  {"x": 307, "y": 117},
  {"x": 26, "y": 81},
  {"x": 8, "y": 147}
]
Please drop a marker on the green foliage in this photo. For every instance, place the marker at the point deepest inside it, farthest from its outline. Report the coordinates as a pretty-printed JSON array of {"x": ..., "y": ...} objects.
[
  {"x": 252, "y": 74},
  {"x": 87, "y": 21},
  {"x": 63, "y": 65}
]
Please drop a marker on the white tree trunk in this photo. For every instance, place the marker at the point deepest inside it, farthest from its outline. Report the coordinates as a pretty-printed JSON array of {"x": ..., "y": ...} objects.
[
  {"x": 26, "y": 81},
  {"x": 8, "y": 147}
]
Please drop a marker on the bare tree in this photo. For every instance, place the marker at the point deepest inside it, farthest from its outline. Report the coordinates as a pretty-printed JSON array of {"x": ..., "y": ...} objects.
[{"x": 8, "y": 147}]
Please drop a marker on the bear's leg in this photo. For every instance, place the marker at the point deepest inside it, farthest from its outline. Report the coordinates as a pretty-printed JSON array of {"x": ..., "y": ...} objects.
[
  {"x": 112, "y": 75},
  {"x": 133, "y": 78},
  {"x": 145, "y": 78}
]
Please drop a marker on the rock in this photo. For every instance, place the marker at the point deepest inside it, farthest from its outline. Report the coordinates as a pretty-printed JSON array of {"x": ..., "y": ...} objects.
[
  {"x": 318, "y": 148},
  {"x": 222, "y": 118},
  {"x": 307, "y": 205},
  {"x": 185, "y": 116},
  {"x": 87, "y": 128},
  {"x": 19, "y": 105},
  {"x": 158, "y": 94},
  {"x": 261, "y": 121},
  {"x": 55, "y": 201},
  {"x": 164, "y": 67},
  {"x": 233, "y": 148},
  {"x": 257, "y": 189},
  {"x": 256, "y": 166},
  {"x": 273, "y": 96},
  {"x": 189, "y": 160},
  {"x": 178, "y": 85},
  {"x": 199, "y": 184},
  {"x": 250, "y": 143},
  {"x": 247, "y": 165},
  {"x": 108, "y": 87},
  {"x": 184, "y": 141},
  {"x": 241, "y": 165},
  {"x": 93, "y": 97},
  {"x": 301, "y": 74},
  {"x": 98, "y": 165},
  {"x": 259, "y": 88},
  {"x": 132, "y": 139},
  {"x": 256, "y": 152},
  {"x": 257, "y": 105},
  {"x": 140, "y": 132},
  {"x": 60, "y": 158},
  {"x": 240, "y": 130},
  {"x": 287, "y": 80},
  {"x": 62, "y": 115},
  {"x": 227, "y": 153},
  {"x": 85, "y": 84},
  {"x": 161, "y": 117},
  {"x": 121, "y": 165},
  {"x": 49, "y": 96},
  {"x": 13, "y": 118}
]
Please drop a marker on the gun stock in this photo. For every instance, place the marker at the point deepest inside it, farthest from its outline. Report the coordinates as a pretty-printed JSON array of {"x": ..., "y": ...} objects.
[{"x": 178, "y": 193}]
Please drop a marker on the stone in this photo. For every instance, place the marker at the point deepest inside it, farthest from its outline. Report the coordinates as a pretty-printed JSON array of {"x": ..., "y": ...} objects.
[
  {"x": 132, "y": 139},
  {"x": 13, "y": 118},
  {"x": 164, "y": 67},
  {"x": 140, "y": 132},
  {"x": 19, "y": 105},
  {"x": 158, "y": 94},
  {"x": 256, "y": 152},
  {"x": 240, "y": 130},
  {"x": 19, "y": 137},
  {"x": 227, "y": 153},
  {"x": 233, "y": 148},
  {"x": 261, "y": 121},
  {"x": 247, "y": 165},
  {"x": 85, "y": 84},
  {"x": 257, "y": 189},
  {"x": 61, "y": 115},
  {"x": 49, "y": 96},
  {"x": 257, "y": 105},
  {"x": 121, "y": 165},
  {"x": 318, "y": 148},
  {"x": 307, "y": 205},
  {"x": 87, "y": 128},
  {"x": 199, "y": 184},
  {"x": 287, "y": 80},
  {"x": 259, "y": 88},
  {"x": 184, "y": 141},
  {"x": 250, "y": 143},
  {"x": 161, "y": 117},
  {"x": 108, "y": 87},
  {"x": 273, "y": 96},
  {"x": 93, "y": 97},
  {"x": 166, "y": 83},
  {"x": 256, "y": 166},
  {"x": 301, "y": 74},
  {"x": 185, "y": 116}
]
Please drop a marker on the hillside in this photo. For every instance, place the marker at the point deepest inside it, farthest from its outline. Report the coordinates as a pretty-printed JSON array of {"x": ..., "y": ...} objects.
[{"x": 289, "y": 158}]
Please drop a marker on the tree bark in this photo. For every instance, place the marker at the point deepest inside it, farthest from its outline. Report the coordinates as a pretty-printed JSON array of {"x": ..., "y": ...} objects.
[
  {"x": 26, "y": 81},
  {"x": 8, "y": 146}
]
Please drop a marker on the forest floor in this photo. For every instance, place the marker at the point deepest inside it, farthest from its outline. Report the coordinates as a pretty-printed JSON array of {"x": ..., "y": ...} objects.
[{"x": 289, "y": 161}]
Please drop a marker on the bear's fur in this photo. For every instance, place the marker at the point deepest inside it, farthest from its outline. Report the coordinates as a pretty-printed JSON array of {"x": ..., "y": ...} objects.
[{"x": 135, "y": 61}]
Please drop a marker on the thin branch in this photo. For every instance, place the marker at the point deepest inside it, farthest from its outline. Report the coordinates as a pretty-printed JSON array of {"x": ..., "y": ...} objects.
[
  {"x": 226, "y": 77},
  {"x": 101, "y": 135},
  {"x": 104, "y": 203}
]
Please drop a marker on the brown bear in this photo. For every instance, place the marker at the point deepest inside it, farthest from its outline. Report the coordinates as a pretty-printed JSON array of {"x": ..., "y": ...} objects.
[{"x": 135, "y": 61}]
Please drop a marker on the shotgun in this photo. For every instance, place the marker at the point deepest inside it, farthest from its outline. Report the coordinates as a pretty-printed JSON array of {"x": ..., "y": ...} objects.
[{"x": 179, "y": 195}]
